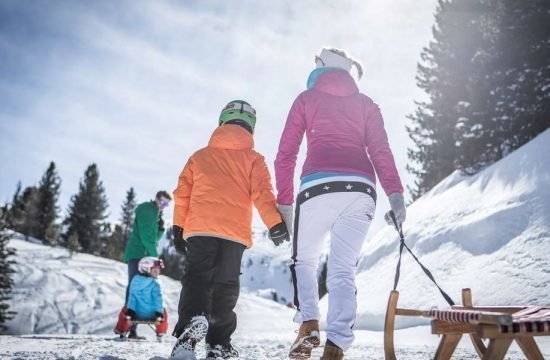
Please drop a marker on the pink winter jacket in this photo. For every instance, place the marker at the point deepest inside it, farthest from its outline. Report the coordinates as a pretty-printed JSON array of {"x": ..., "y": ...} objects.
[{"x": 345, "y": 134}]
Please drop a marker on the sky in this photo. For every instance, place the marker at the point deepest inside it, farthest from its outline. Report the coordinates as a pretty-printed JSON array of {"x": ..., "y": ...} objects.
[{"x": 137, "y": 86}]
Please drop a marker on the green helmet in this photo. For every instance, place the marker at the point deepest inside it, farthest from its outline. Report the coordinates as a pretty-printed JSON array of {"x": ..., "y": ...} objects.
[{"x": 239, "y": 110}]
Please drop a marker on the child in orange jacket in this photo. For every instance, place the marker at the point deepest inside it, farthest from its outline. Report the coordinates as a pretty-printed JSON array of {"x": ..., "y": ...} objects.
[{"x": 212, "y": 227}]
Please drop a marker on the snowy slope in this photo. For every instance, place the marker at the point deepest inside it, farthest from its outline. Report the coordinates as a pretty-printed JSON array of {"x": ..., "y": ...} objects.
[
  {"x": 265, "y": 269},
  {"x": 57, "y": 294},
  {"x": 489, "y": 232},
  {"x": 66, "y": 309}
]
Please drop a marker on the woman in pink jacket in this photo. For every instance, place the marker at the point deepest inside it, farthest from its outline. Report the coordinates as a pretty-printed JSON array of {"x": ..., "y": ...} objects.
[{"x": 347, "y": 148}]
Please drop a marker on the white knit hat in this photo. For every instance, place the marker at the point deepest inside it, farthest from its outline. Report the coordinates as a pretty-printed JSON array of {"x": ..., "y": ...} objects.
[{"x": 337, "y": 58}]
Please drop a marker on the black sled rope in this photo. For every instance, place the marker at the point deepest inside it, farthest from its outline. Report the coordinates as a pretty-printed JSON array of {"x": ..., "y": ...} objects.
[{"x": 426, "y": 271}]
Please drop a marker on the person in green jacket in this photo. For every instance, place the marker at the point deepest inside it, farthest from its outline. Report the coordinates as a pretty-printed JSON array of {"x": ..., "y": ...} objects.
[{"x": 147, "y": 230}]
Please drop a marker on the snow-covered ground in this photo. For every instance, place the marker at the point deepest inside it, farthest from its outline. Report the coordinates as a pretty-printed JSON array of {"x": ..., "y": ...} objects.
[
  {"x": 411, "y": 344},
  {"x": 58, "y": 294},
  {"x": 66, "y": 309},
  {"x": 489, "y": 232}
]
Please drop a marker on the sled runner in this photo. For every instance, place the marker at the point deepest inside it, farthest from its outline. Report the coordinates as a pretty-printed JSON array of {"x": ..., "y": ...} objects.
[
  {"x": 499, "y": 325},
  {"x": 151, "y": 323}
]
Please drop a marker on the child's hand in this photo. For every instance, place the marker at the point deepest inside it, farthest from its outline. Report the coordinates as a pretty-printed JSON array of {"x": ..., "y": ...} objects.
[
  {"x": 279, "y": 234},
  {"x": 179, "y": 242},
  {"x": 160, "y": 317},
  {"x": 130, "y": 314}
]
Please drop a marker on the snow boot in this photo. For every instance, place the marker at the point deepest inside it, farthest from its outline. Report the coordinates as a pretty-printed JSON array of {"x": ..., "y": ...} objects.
[
  {"x": 308, "y": 338},
  {"x": 332, "y": 352},
  {"x": 133, "y": 335},
  {"x": 217, "y": 352},
  {"x": 194, "y": 332}
]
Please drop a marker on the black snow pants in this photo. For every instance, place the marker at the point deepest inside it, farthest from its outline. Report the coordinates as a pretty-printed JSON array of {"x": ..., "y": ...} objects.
[{"x": 211, "y": 286}]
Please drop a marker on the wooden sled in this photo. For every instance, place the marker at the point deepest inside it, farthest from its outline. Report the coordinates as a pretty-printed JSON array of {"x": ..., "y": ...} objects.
[
  {"x": 499, "y": 325},
  {"x": 150, "y": 323}
]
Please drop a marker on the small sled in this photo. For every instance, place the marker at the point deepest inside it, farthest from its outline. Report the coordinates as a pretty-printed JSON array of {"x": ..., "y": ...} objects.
[
  {"x": 125, "y": 323},
  {"x": 151, "y": 323},
  {"x": 499, "y": 325}
]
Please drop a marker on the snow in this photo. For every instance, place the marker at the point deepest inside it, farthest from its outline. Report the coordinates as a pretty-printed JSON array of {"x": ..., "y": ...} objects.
[
  {"x": 57, "y": 294},
  {"x": 489, "y": 232},
  {"x": 412, "y": 344}
]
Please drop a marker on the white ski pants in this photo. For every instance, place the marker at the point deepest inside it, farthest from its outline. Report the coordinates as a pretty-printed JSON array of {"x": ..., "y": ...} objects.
[{"x": 345, "y": 210}]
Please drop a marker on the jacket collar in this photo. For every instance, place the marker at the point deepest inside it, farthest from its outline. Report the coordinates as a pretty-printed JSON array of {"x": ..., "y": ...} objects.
[
  {"x": 336, "y": 82},
  {"x": 231, "y": 137}
]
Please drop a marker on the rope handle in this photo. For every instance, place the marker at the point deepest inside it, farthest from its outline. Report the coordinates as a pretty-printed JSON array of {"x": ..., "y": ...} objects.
[{"x": 402, "y": 245}]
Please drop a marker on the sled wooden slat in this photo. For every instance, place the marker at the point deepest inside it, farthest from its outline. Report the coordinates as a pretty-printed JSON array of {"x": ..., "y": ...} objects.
[
  {"x": 497, "y": 324},
  {"x": 492, "y": 331},
  {"x": 476, "y": 339},
  {"x": 499, "y": 309},
  {"x": 409, "y": 312},
  {"x": 441, "y": 328}
]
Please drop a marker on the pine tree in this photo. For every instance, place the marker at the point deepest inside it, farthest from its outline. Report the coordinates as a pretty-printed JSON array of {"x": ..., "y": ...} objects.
[
  {"x": 104, "y": 244},
  {"x": 72, "y": 243},
  {"x": 16, "y": 210},
  {"x": 115, "y": 244},
  {"x": 444, "y": 75},
  {"x": 86, "y": 212},
  {"x": 127, "y": 216},
  {"x": 48, "y": 193},
  {"x": 28, "y": 208},
  {"x": 6, "y": 270},
  {"x": 513, "y": 91}
]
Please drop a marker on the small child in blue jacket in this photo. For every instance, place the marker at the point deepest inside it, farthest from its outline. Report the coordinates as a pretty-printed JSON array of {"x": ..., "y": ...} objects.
[{"x": 144, "y": 299}]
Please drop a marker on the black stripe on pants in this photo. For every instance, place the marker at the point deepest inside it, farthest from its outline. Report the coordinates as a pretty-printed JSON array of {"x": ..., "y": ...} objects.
[{"x": 294, "y": 255}]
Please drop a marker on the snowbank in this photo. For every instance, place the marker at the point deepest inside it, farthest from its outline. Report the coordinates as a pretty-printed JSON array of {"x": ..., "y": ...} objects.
[
  {"x": 489, "y": 232},
  {"x": 57, "y": 294}
]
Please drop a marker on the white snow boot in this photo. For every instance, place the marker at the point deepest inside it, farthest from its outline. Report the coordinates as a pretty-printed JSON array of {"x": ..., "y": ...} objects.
[{"x": 194, "y": 332}]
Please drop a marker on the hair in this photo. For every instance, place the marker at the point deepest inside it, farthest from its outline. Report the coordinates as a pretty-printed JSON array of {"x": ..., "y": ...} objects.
[
  {"x": 164, "y": 194},
  {"x": 343, "y": 53},
  {"x": 241, "y": 123}
]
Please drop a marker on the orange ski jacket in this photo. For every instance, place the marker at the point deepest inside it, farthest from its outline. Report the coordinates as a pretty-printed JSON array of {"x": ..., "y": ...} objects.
[{"x": 218, "y": 186}]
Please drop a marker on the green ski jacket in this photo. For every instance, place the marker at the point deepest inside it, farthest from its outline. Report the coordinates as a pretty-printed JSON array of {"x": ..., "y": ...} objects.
[{"x": 145, "y": 233}]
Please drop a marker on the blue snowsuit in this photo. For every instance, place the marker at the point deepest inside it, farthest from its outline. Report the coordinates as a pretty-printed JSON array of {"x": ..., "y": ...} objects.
[{"x": 145, "y": 297}]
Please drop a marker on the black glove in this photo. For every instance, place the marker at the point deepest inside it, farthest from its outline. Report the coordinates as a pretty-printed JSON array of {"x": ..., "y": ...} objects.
[
  {"x": 279, "y": 234},
  {"x": 179, "y": 242},
  {"x": 161, "y": 223},
  {"x": 130, "y": 314},
  {"x": 159, "y": 316}
]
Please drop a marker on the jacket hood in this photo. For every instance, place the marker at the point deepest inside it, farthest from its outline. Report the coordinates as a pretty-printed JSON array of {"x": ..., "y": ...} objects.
[
  {"x": 336, "y": 82},
  {"x": 141, "y": 281},
  {"x": 231, "y": 137}
]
